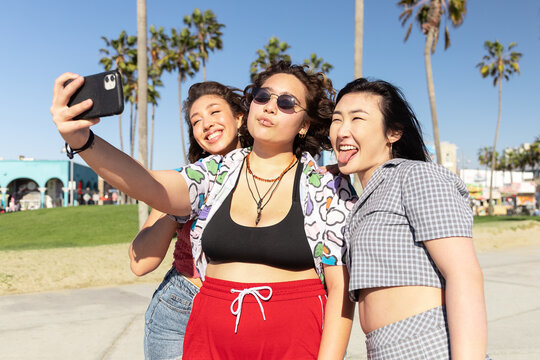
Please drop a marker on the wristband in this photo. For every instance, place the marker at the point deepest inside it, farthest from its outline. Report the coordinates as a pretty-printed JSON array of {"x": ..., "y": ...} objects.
[{"x": 70, "y": 152}]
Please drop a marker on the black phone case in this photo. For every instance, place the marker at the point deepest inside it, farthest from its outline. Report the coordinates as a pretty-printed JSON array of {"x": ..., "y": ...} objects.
[{"x": 108, "y": 100}]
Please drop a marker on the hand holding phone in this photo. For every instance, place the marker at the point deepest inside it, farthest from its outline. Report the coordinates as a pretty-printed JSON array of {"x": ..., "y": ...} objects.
[{"x": 105, "y": 90}]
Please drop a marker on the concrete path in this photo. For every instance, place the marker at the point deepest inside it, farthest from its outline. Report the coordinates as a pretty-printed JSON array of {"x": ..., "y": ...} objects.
[{"x": 108, "y": 323}]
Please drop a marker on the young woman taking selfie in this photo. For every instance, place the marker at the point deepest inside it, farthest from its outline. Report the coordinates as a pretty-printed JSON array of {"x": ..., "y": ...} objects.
[{"x": 268, "y": 241}]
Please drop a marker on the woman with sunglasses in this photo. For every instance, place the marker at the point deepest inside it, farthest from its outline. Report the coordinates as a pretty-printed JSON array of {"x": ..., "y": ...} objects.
[
  {"x": 270, "y": 226},
  {"x": 414, "y": 271},
  {"x": 213, "y": 113}
]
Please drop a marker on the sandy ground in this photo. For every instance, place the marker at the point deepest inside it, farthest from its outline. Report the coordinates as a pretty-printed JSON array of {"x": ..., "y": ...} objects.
[{"x": 68, "y": 268}]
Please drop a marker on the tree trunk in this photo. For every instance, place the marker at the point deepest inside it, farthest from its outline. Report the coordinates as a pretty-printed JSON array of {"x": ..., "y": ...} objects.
[
  {"x": 131, "y": 130},
  {"x": 182, "y": 140},
  {"x": 201, "y": 39},
  {"x": 151, "y": 158},
  {"x": 358, "y": 38},
  {"x": 120, "y": 131},
  {"x": 430, "y": 36},
  {"x": 142, "y": 101},
  {"x": 134, "y": 129},
  {"x": 493, "y": 158},
  {"x": 358, "y": 48}
]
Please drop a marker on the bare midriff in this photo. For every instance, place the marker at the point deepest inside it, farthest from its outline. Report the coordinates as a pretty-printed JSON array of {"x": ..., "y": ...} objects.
[
  {"x": 381, "y": 306},
  {"x": 256, "y": 273}
]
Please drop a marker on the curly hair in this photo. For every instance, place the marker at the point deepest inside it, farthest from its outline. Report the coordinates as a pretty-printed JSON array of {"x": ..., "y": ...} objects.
[
  {"x": 232, "y": 96},
  {"x": 319, "y": 108}
]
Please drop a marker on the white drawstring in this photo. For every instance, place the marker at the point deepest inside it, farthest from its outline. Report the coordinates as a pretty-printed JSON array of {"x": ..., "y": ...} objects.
[{"x": 240, "y": 299}]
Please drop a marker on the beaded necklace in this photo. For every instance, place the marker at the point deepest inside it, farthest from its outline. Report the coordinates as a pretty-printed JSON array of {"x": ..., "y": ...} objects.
[
  {"x": 268, "y": 180},
  {"x": 275, "y": 182}
]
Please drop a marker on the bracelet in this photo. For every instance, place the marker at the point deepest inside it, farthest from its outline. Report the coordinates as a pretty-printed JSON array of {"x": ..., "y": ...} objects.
[{"x": 70, "y": 152}]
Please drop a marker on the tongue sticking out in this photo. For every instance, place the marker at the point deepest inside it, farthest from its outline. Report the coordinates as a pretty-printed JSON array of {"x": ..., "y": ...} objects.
[{"x": 345, "y": 156}]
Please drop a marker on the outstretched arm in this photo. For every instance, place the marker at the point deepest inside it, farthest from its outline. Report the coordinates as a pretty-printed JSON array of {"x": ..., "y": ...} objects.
[
  {"x": 465, "y": 306},
  {"x": 150, "y": 246},
  {"x": 163, "y": 190},
  {"x": 338, "y": 314}
]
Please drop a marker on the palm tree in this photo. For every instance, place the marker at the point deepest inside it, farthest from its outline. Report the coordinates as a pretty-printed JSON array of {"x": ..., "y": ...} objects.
[
  {"x": 273, "y": 52},
  {"x": 485, "y": 156},
  {"x": 317, "y": 64},
  {"x": 499, "y": 63},
  {"x": 153, "y": 97},
  {"x": 208, "y": 33},
  {"x": 508, "y": 159},
  {"x": 123, "y": 50},
  {"x": 535, "y": 153},
  {"x": 158, "y": 47},
  {"x": 428, "y": 14},
  {"x": 358, "y": 48},
  {"x": 358, "y": 38},
  {"x": 181, "y": 56},
  {"x": 142, "y": 104},
  {"x": 131, "y": 96}
]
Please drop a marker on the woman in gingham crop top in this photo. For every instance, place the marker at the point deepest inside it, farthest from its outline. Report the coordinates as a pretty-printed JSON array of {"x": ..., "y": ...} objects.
[{"x": 413, "y": 268}]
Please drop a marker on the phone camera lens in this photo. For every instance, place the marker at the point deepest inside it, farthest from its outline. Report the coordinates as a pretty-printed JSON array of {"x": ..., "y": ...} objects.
[{"x": 106, "y": 79}]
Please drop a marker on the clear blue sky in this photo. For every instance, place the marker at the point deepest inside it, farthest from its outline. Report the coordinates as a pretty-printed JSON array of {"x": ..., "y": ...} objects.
[{"x": 42, "y": 39}]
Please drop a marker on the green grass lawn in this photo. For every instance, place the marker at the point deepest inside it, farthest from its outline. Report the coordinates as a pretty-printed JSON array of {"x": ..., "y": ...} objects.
[
  {"x": 67, "y": 227},
  {"x": 516, "y": 219},
  {"x": 101, "y": 225}
]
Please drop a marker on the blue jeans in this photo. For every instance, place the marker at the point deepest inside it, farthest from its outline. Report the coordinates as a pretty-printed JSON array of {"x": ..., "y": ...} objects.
[{"x": 167, "y": 316}]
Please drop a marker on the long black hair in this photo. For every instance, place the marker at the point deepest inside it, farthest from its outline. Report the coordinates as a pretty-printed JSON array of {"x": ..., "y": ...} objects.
[{"x": 397, "y": 116}]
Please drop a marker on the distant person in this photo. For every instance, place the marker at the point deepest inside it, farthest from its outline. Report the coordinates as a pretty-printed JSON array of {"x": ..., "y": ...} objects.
[
  {"x": 214, "y": 114},
  {"x": 95, "y": 198},
  {"x": 86, "y": 198},
  {"x": 12, "y": 203},
  {"x": 414, "y": 270}
]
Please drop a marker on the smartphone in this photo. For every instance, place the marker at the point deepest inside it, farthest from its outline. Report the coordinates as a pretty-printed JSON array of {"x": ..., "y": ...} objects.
[{"x": 105, "y": 90}]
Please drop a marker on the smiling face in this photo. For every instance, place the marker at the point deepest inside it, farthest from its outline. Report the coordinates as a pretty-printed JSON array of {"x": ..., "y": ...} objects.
[
  {"x": 358, "y": 136},
  {"x": 214, "y": 126},
  {"x": 269, "y": 124}
]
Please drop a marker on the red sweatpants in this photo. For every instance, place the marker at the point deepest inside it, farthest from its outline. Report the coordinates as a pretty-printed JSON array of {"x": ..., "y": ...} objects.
[{"x": 292, "y": 330}]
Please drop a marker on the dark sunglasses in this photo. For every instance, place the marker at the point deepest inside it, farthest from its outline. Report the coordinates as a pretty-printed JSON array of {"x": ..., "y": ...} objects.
[{"x": 284, "y": 101}]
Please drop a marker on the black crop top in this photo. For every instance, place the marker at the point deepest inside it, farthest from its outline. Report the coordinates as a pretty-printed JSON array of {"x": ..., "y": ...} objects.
[{"x": 283, "y": 245}]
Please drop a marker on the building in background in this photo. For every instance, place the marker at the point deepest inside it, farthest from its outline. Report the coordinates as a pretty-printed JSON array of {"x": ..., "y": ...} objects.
[
  {"x": 513, "y": 192},
  {"x": 449, "y": 156},
  {"x": 31, "y": 184}
]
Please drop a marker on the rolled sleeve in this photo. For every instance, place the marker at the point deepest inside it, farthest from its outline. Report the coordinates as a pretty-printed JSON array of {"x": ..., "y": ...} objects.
[
  {"x": 436, "y": 202},
  {"x": 340, "y": 198},
  {"x": 199, "y": 177}
]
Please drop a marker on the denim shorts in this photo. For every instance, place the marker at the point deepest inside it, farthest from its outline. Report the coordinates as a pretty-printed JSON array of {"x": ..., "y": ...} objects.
[{"x": 167, "y": 317}]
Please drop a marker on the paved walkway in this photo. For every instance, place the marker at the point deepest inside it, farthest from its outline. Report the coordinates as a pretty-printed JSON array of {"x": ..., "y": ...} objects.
[{"x": 107, "y": 323}]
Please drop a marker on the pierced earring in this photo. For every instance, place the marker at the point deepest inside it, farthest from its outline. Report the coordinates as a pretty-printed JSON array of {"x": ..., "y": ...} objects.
[
  {"x": 302, "y": 134},
  {"x": 391, "y": 152}
]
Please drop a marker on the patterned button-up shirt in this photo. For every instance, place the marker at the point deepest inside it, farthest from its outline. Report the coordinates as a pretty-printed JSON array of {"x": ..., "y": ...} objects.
[
  {"x": 326, "y": 201},
  {"x": 404, "y": 203}
]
